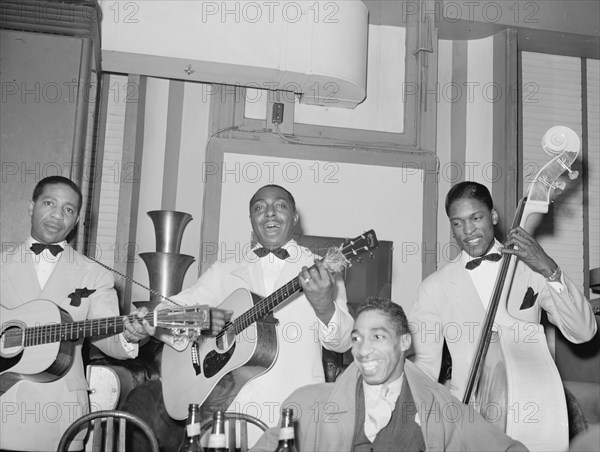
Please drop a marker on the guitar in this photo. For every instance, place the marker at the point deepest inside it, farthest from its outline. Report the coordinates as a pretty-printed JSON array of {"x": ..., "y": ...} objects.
[
  {"x": 223, "y": 364},
  {"x": 37, "y": 338}
]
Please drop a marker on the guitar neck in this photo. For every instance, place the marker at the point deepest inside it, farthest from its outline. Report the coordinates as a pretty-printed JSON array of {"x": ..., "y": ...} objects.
[
  {"x": 76, "y": 330},
  {"x": 336, "y": 260},
  {"x": 266, "y": 305}
]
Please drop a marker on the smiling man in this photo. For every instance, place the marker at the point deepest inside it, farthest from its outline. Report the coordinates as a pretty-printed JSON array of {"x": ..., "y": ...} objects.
[
  {"x": 452, "y": 301},
  {"x": 317, "y": 316},
  {"x": 45, "y": 267},
  {"x": 384, "y": 403}
]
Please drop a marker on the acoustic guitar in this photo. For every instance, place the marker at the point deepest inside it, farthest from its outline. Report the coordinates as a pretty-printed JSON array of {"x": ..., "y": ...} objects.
[
  {"x": 37, "y": 339},
  {"x": 212, "y": 370}
]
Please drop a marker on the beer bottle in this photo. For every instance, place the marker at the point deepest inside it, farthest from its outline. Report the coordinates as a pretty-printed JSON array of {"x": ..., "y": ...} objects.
[
  {"x": 216, "y": 440},
  {"x": 191, "y": 440},
  {"x": 286, "y": 432}
]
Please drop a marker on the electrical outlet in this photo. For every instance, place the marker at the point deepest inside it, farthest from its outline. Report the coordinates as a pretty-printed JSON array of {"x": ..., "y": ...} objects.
[{"x": 277, "y": 117}]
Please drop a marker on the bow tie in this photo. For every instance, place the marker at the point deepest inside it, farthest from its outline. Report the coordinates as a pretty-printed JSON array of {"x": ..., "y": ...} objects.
[
  {"x": 494, "y": 257},
  {"x": 280, "y": 253},
  {"x": 37, "y": 248}
]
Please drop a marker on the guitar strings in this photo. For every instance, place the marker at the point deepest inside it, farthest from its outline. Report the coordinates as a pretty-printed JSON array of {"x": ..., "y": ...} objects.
[
  {"x": 44, "y": 334},
  {"x": 40, "y": 334}
]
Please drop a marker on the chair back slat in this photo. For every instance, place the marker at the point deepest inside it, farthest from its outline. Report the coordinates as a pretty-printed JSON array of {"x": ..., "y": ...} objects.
[
  {"x": 104, "y": 429},
  {"x": 122, "y": 432},
  {"x": 97, "y": 438},
  {"x": 230, "y": 435},
  {"x": 109, "y": 439},
  {"x": 243, "y": 435}
]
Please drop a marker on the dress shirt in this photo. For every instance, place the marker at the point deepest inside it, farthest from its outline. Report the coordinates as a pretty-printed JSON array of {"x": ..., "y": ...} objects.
[
  {"x": 484, "y": 276},
  {"x": 272, "y": 266},
  {"x": 45, "y": 262},
  {"x": 380, "y": 401}
]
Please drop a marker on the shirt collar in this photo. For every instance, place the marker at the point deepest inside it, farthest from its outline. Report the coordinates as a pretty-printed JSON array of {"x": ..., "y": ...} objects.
[
  {"x": 47, "y": 254},
  {"x": 387, "y": 391},
  {"x": 466, "y": 257}
]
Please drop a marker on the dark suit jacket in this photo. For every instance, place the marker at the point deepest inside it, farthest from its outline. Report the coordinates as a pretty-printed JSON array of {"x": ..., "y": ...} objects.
[{"x": 326, "y": 415}]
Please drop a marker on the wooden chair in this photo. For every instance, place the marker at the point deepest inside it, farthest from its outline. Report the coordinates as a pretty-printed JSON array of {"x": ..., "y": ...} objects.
[
  {"x": 108, "y": 435},
  {"x": 230, "y": 422}
]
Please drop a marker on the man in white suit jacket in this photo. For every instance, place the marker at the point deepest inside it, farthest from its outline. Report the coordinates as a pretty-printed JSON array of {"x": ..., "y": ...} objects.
[
  {"x": 452, "y": 302},
  {"x": 35, "y": 415},
  {"x": 317, "y": 316}
]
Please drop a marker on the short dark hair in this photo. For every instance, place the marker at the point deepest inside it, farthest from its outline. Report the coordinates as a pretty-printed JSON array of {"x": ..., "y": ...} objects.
[
  {"x": 56, "y": 180},
  {"x": 393, "y": 310},
  {"x": 469, "y": 190},
  {"x": 289, "y": 195}
]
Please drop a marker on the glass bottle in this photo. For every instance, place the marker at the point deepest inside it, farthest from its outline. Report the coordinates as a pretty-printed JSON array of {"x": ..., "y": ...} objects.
[
  {"x": 216, "y": 440},
  {"x": 286, "y": 432},
  {"x": 191, "y": 440}
]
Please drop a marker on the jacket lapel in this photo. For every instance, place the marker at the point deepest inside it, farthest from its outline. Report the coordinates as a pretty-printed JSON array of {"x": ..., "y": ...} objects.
[
  {"x": 20, "y": 269},
  {"x": 251, "y": 273},
  {"x": 462, "y": 294},
  {"x": 67, "y": 275},
  {"x": 339, "y": 432}
]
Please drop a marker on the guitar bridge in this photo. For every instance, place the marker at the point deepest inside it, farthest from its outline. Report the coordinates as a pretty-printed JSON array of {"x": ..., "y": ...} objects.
[{"x": 195, "y": 351}]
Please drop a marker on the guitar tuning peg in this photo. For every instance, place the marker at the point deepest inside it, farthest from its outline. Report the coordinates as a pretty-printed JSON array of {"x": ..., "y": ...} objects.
[{"x": 559, "y": 185}]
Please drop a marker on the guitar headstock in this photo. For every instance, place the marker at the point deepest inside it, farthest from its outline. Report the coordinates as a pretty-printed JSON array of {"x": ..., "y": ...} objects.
[
  {"x": 564, "y": 144},
  {"x": 339, "y": 258},
  {"x": 184, "y": 320}
]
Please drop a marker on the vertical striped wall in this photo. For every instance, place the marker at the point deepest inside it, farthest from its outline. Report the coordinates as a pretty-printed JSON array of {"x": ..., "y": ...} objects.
[
  {"x": 465, "y": 122},
  {"x": 168, "y": 169},
  {"x": 593, "y": 154}
]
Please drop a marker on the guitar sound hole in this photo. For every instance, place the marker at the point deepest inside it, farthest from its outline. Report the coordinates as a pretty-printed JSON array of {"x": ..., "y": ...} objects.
[
  {"x": 11, "y": 341},
  {"x": 214, "y": 361},
  {"x": 11, "y": 349}
]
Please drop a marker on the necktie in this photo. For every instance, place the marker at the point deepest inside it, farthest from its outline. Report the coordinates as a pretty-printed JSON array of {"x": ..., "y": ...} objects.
[
  {"x": 379, "y": 415},
  {"x": 494, "y": 257},
  {"x": 37, "y": 248},
  {"x": 280, "y": 253}
]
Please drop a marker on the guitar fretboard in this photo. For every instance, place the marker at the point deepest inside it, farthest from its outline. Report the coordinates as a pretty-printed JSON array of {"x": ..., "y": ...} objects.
[
  {"x": 266, "y": 305},
  {"x": 46, "y": 334}
]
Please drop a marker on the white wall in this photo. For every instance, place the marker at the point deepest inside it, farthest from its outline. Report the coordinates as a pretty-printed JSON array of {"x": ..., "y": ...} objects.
[{"x": 340, "y": 200}]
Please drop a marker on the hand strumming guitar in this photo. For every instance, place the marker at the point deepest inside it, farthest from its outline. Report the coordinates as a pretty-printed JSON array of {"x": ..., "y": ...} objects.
[
  {"x": 218, "y": 319},
  {"x": 319, "y": 287}
]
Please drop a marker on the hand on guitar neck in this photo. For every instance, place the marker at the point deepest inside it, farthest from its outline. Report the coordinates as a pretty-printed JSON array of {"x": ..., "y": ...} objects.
[
  {"x": 138, "y": 329},
  {"x": 522, "y": 244},
  {"x": 319, "y": 287}
]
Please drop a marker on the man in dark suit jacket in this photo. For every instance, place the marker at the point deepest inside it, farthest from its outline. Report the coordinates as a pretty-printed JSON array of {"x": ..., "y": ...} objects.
[
  {"x": 35, "y": 414},
  {"x": 382, "y": 402}
]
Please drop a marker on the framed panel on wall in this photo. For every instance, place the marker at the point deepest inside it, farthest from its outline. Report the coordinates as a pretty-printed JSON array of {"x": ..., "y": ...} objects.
[{"x": 348, "y": 193}]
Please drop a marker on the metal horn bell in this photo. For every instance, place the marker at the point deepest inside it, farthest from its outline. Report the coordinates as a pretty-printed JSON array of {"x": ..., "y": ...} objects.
[
  {"x": 165, "y": 272},
  {"x": 168, "y": 227}
]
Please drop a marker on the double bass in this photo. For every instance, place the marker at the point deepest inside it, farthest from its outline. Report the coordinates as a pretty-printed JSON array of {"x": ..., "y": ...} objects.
[{"x": 513, "y": 380}]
